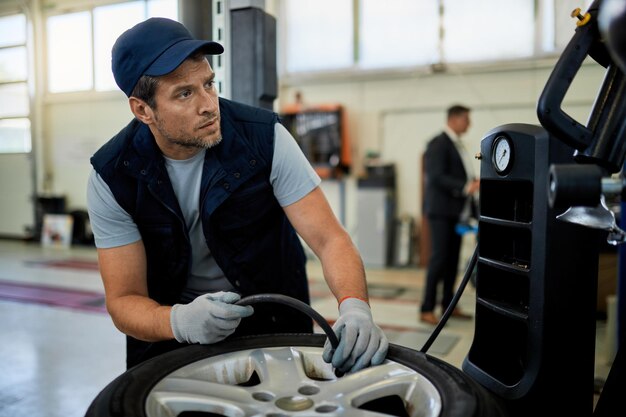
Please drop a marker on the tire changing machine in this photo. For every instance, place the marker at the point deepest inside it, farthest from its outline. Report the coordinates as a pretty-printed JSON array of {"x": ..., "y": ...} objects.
[{"x": 534, "y": 341}]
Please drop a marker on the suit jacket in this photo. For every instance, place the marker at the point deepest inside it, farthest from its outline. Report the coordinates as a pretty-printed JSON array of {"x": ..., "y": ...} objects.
[{"x": 445, "y": 178}]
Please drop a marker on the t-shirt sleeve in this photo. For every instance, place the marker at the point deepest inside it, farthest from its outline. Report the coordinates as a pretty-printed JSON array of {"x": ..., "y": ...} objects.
[
  {"x": 292, "y": 175},
  {"x": 112, "y": 226}
]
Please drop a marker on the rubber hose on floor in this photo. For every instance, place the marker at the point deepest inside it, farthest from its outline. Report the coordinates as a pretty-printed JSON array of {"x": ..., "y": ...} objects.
[
  {"x": 298, "y": 305},
  {"x": 455, "y": 299}
]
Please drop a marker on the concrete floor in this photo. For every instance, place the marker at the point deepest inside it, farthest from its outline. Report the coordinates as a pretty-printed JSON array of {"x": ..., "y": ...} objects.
[{"x": 55, "y": 359}]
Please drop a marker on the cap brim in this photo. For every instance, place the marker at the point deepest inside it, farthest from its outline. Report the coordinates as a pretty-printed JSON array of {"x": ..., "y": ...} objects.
[{"x": 169, "y": 60}]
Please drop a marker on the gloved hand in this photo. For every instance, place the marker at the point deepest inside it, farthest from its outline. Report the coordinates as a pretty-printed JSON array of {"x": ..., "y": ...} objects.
[
  {"x": 361, "y": 342},
  {"x": 209, "y": 318}
]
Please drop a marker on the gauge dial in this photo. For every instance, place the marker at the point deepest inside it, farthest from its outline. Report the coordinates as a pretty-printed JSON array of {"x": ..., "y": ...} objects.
[{"x": 502, "y": 154}]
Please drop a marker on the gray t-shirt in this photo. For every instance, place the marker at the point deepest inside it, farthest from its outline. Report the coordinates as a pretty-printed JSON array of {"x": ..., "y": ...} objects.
[{"x": 292, "y": 178}]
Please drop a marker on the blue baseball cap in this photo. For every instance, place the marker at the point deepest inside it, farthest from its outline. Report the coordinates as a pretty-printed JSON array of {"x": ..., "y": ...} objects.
[{"x": 156, "y": 46}]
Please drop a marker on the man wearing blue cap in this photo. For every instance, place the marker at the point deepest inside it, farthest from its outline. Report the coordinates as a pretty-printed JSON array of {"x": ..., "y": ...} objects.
[{"x": 199, "y": 201}]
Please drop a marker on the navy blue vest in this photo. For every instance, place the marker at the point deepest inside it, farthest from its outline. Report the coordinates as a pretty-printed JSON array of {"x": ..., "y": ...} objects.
[{"x": 244, "y": 226}]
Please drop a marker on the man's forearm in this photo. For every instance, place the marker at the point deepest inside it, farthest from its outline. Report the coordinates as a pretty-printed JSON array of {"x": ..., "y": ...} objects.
[
  {"x": 141, "y": 318},
  {"x": 343, "y": 269}
]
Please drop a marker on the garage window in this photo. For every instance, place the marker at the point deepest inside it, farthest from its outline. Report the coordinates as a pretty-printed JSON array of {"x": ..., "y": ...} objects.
[
  {"x": 79, "y": 42},
  {"x": 319, "y": 35},
  {"x": 14, "y": 100},
  {"x": 371, "y": 34}
]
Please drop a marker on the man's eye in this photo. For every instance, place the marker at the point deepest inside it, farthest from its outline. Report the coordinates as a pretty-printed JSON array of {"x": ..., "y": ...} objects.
[
  {"x": 185, "y": 93},
  {"x": 210, "y": 84}
]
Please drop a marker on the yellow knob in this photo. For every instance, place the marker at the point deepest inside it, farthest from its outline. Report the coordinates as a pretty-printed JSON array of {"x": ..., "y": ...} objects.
[{"x": 582, "y": 19}]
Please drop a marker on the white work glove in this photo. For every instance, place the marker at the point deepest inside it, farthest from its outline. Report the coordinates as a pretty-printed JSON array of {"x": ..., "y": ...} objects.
[
  {"x": 209, "y": 318},
  {"x": 361, "y": 342}
]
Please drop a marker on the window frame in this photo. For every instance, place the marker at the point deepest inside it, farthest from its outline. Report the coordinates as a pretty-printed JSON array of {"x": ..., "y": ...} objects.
[{"x": 25, "y": 82}]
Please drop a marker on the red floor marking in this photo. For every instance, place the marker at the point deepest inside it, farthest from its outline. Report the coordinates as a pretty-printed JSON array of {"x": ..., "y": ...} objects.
[
  {"x": 67, "y": 263},
  {"x": 42, "y": 294}
]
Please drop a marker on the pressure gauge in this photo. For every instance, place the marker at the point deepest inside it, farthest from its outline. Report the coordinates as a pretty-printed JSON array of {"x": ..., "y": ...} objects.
[{"x": 502, "y": 154}]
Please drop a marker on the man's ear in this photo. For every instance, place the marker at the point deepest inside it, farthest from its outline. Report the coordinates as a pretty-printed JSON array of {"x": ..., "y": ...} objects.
[{"x": 141, "y": 110}]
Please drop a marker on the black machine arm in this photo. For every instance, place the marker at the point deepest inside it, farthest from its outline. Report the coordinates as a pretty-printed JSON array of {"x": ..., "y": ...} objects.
[{"x": 602, "y": 141}]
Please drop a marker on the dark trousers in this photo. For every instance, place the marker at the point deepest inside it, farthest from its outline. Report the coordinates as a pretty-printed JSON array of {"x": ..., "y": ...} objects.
[{"x": 444, "y": 262}]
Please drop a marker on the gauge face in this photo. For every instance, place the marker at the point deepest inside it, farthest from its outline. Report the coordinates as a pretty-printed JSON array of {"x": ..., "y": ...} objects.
[{"x": 502, "y": 154}]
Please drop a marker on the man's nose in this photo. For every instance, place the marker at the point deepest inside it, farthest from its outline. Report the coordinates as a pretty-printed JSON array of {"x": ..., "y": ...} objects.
[{"x": 208, "y": 102}]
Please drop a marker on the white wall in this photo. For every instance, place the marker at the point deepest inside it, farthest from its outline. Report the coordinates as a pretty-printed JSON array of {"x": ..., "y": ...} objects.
[
  {"x": 16, "y": 205},
  {"x": 74, "y": 129}
]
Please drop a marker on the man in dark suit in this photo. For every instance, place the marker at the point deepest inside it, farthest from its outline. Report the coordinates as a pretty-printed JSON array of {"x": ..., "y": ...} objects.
[{"x": 449, "y": 185}]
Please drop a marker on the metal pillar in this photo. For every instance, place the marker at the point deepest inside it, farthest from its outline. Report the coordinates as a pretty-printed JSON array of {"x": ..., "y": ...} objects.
[{"x": 246, "y": 72}]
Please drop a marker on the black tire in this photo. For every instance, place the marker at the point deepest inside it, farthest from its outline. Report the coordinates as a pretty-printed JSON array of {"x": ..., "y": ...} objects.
[{"x": 460, "y": 396}]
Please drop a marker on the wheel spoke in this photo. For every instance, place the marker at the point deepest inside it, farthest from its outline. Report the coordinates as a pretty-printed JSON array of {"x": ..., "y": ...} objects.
[
  {"x": 388, "y": 373},
  {"x": 357, "y": 412},
  {"x": 387, "y": 380},
  {"x": 179, "y": 394},
  {"x": 281, "y": 368}
]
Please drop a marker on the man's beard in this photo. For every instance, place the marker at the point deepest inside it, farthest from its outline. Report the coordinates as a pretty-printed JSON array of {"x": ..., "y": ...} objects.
[
  {"x": 192, "y": 142},
  {"x": 195, "y": 142}
]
